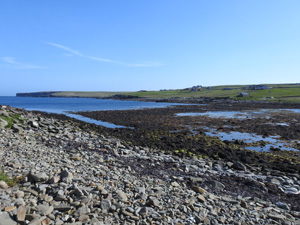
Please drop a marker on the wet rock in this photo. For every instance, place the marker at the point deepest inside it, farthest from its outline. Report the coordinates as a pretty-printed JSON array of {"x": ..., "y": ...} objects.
[
  {"x": 292, "y": 190},
  {"x": 282, "y": 205},
  {"x": 239, "y": 166}
]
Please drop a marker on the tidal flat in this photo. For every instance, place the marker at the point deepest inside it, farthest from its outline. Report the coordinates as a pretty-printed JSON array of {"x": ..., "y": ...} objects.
[{"x": 256, "y": 133}]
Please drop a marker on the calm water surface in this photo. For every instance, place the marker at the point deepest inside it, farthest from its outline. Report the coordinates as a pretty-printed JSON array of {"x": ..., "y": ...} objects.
[
  {"x": 66, "y": 105},
  {"x": 62, "y": 105}
]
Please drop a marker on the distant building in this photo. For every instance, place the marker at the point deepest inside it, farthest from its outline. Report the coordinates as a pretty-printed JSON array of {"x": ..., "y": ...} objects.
[
  {"x": 194, "y": 88},
  {"x": 243, "y": 94},
  {"x": 258, "y": 87},
  {"x": 227, "y": 89}
]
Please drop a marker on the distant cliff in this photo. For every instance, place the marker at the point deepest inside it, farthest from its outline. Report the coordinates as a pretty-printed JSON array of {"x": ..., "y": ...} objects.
[{"x": 37, "y": 94}]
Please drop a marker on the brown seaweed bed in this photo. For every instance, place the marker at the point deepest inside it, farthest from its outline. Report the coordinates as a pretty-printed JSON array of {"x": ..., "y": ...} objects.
[{"x": 162, "y": 128}]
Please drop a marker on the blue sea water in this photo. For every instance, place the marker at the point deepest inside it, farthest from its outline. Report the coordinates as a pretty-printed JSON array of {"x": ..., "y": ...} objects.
[{"x": 67, "y": 105}]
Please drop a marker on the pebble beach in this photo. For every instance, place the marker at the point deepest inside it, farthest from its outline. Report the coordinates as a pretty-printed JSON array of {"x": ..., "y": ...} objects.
[{"x": 69, "y": 175}]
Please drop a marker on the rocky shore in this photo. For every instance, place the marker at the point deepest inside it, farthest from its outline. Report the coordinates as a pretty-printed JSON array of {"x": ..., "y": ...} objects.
[{"x": 68, "y": 174}]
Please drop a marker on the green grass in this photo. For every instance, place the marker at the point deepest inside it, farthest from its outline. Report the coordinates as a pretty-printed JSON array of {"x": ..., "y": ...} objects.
[
  {"x": 10, "y": 182},
  {"x": 87, "y": 94},
  {"x": 279, "y": 92},
  {"x": 12, "y": 119},
  {"x": 284, "y": 93}
]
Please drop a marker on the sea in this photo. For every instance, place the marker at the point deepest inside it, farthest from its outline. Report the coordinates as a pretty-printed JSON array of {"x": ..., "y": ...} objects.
[{"x": 68, "y": 105}]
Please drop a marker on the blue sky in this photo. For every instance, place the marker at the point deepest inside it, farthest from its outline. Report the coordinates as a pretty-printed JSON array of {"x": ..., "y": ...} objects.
[{"x": 94, "y": 45}]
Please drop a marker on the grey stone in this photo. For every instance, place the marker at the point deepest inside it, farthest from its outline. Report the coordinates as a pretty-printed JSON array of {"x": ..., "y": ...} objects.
[
  {"x": 198, "y": 189},
  {"x": 277, "y": 216},
  {"x": 31, "y": 217},
  {"x": 33, "y": 123},
  {"x": 122, "y": 195},
  {"x": 54, "y": 180},
  {"x": 6, "y": 219},
  {"x": 17, "y": 129},
  {"x": 291, "y": 190},
  {"x": 35, "y": 221},
  {"x": 230, "y": 200},
  {"x": 141, "y": 190},
  {"x": 62, "y": 208},
  {"x": 201, "y": 216},
  {"x": 3, "y": 123},
  {"x": 282, "y": 205},
  {"x": 239, "y": 166},
  {"x": 217, "y": 185},
  {"x": 105, "y": 205},
  {"x": 66, "y": 176},
  {"x": 153, "y": 202},
  {"x": 45, "y": 209},
  {"x": 4, "y": 113},
  {"x": 244, "y": 204},
  {"x": 20, "y": 194},
  {"x": 19, "y": 202},
  {"x": 3, "y": 185},
  {"x": 39, "y": 177},
  {"x": 82, "y": 210}
]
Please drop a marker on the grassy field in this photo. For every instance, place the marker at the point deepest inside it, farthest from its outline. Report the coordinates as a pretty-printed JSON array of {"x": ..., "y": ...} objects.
[
  {"x": 86, "y": 94},
  {"x": 284, "y": 92},
  {"x": 277, "y": 92}
]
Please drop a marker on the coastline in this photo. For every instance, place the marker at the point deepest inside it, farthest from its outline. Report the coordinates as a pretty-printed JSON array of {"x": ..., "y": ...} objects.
[{"x": 69, "y": 171}]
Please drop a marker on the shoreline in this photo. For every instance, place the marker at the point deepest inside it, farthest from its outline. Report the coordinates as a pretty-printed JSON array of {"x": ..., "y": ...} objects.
[{"x": 69, "y": 172}]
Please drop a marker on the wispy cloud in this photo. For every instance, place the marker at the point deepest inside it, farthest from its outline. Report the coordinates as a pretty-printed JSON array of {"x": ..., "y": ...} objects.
[
  {"x": 12, "y": 63},
  {"x": 77, "y": 53}
]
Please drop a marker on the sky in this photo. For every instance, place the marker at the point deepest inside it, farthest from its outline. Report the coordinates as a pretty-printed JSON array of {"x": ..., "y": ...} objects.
[{"x": 116, "y": 45}]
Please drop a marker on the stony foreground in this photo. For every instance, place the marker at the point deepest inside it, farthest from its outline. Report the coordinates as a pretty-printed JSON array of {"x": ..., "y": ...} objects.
[{"x": 67, "y": 175}]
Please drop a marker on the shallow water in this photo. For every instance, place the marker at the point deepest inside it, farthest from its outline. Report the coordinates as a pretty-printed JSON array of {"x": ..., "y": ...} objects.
[
  {"x": 252, "y": 138},
  {"x": 246, "y": 114},
  {"x": 97, "y": 122},
  {"x": 218, "y": 114},
  {"x": 62, "y": 105}
]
